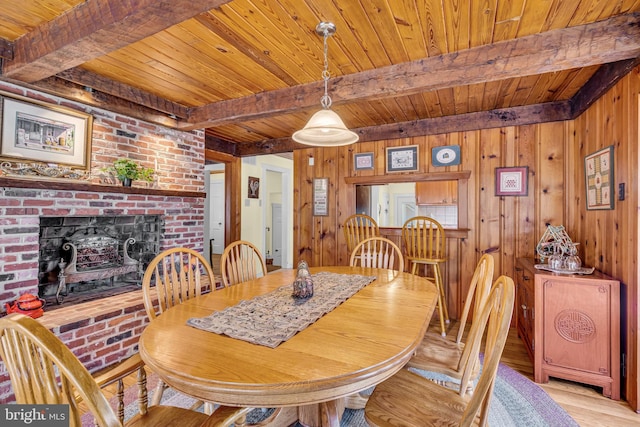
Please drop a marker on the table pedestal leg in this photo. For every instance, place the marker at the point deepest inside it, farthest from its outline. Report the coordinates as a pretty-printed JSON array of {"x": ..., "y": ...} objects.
[{"x": 325, "y": 414}]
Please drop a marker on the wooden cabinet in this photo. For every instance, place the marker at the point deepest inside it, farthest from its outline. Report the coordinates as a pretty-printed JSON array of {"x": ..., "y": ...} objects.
[
  {"x": 436, "y": 192},
  {"x": 570, "y": 325}
]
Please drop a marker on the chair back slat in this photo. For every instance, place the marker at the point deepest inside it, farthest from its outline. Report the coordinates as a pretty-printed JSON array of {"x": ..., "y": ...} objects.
[
  {"x": 493, "y": 321},
  {"x": 377, "y": 252},
  {"x": 172, "y": 277},
  {"x": 424, "y": 238},
  {"x": 240, "y": 262},
  {"x": 357, "y": 228},
  {"x": 478, "y": 292}
]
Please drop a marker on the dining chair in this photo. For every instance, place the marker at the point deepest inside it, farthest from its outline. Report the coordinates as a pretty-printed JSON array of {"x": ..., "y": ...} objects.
[
  {"x": 44, "y": 371},
  {"x": 172, "y": 277},
  {"x": 241, "y": 261},
  {"x": 408, "y": 399},
  {"x": 377, "y": 252},
  {"x": 424, "y": 243},
  {"x": 358, "y": 227},
  {"x": 441, "y": 357}
]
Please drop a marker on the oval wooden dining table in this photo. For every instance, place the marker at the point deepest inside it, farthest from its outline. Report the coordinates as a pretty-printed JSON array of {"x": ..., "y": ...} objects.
[{"x": 359, "y": 344}]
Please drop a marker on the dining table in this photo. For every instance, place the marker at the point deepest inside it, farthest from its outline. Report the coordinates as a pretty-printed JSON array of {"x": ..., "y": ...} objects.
[{"x": 361, "y": 342}]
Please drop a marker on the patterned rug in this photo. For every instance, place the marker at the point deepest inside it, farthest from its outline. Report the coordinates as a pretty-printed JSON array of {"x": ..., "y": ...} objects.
[{"x": 517, "y": 401}]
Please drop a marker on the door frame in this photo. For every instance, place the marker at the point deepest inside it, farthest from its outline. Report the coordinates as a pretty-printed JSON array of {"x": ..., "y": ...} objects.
[{"x": 287, "y": 211}]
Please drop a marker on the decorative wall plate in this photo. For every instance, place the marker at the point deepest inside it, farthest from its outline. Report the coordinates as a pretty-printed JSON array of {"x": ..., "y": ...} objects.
[{"x": 448, "y": 155}]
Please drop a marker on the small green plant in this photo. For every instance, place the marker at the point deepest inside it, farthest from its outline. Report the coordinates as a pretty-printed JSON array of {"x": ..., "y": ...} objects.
[{"x": 128, "y": 169}]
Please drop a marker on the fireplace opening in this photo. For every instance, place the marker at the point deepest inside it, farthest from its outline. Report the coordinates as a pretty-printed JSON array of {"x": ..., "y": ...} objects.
[{"x": 88, "y": 258}]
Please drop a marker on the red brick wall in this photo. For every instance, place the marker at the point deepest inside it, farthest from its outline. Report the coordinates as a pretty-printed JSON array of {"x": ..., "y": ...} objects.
[{"x": 178, "y": 157}]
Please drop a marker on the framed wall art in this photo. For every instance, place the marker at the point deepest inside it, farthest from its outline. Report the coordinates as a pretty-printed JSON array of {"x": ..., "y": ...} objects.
[
  {"x": 512, "y": 181},
  {"x": 599, "y": 179},
  {"x": 448, "y": 155},
  {"x": 362, "y": 161},
  {"x": 321, "y": 196},
  {"x": 39, "y": 132},
  {"x": 402, "y": 159},
  {"x": 253, "y": 188}
]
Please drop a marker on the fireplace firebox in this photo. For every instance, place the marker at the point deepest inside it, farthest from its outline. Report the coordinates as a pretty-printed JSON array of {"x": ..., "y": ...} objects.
[{"x": 86, "y": 258}]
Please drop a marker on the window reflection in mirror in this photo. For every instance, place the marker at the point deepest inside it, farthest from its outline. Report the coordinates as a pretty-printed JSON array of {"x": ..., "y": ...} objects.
[{"x": 390, "y": 205}]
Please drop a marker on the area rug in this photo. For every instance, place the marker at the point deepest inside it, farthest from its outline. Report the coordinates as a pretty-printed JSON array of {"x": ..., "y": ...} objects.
[{"x": 517, "y": 401}]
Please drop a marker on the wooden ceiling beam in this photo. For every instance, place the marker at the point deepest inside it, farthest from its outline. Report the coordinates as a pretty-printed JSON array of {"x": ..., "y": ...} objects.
[
  {"x": 57, "y": 86},
  {"x": 606, "y": 41},
  {"x": 92, "y": 29},
  {"x": 602, "y": 80},
  {"x": 126, "y": 92},
  {"x": 516, "y": 116}
]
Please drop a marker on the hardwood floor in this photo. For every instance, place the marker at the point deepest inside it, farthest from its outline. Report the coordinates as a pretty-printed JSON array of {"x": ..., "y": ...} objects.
[{"x": 583, "y": 402}]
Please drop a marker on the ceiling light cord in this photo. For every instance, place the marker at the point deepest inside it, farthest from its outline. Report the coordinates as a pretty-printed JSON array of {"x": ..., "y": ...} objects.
[{"x": 325, "y": 101}]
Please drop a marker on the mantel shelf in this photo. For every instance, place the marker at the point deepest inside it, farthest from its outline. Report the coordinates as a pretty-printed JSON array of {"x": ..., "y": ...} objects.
[
  {"x": 99, "y": 188},
  {"x": 414, "y": 177}
]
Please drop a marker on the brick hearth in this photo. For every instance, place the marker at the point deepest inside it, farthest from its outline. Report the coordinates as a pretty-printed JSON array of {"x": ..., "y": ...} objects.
[{"x": 100, "y": 333}]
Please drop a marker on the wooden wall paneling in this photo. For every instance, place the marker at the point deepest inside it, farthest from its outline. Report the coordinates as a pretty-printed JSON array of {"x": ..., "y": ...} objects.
[
  {"x": 526, "y": 226},
  {"x": 489, "y": 223},
  {"x": 550, "y": 192},
  {"x": 330, "y": 225},
  {"x": 303, "y": 205},
  {"x": 606, "y": 123},
  {"x": 508, "y": 206}
]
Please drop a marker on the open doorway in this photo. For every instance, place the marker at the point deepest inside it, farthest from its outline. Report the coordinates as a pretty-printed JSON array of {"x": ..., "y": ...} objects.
[
  {"x": 277, "y": 214},
  {"x": 214, "y": 214}
]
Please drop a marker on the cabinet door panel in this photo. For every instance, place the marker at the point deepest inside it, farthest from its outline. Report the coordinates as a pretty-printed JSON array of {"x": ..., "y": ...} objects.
[{"x": 577, "y": 325}]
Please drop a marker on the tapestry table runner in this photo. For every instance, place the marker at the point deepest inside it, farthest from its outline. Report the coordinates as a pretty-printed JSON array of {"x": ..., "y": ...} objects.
[{"x": 273, "y": 318}]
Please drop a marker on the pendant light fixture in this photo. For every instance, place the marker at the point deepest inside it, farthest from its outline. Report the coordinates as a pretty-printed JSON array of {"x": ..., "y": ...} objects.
[{"x": 325, "y": 128}]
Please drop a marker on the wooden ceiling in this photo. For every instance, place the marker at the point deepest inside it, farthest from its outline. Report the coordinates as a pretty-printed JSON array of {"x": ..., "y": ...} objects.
[{"x": 249, "y": 71}]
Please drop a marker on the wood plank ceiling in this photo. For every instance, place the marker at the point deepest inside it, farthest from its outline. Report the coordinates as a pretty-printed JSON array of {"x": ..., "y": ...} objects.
[{"x": 249, "y": 71}]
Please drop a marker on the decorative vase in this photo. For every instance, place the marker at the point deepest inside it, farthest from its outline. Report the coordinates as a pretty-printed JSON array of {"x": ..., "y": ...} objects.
[
  {"x": 126, "y": 182},
  {"x": 303, "y": 285}
]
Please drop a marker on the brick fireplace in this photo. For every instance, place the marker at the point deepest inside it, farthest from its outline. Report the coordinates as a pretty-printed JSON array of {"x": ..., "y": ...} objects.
[{"x": 104, "y": 331}]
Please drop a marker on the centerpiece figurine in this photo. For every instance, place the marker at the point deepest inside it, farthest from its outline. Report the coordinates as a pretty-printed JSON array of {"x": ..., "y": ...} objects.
[{"x": 303, "y": 285}]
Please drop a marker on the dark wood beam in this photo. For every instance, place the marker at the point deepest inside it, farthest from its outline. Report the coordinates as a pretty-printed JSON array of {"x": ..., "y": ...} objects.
[
  {"x": 517, "y": 116},
  {"x": 611, "y": 40},
  {"x": 92, "y": 29},
  {"x": 6, "y": 49},
  {"x": 119, "y": 90},
  {"x": 602, "y": 80},
  {"x": 220, "y": 145},
  {"x": 72, "y": 91}
]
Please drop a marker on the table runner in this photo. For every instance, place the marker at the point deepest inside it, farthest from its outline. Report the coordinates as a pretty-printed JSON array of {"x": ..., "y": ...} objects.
[{"x": 273, "y": 318}]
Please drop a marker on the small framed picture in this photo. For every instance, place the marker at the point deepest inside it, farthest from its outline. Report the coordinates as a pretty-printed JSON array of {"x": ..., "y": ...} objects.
[
  {"x": 402, "y": 159},
  {"x": 512, "y": 181},
  {"x": 254, "y": 188},
  {"x": 449, "y": 155},
  {"x": 363, "y": 161},
  {"x": 321, "y": 196}
]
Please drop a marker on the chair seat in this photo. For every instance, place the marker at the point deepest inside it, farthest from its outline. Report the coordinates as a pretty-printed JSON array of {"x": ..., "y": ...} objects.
[
  {"x": 441, "y": 356},
  {"x": 393, "y": 402}
]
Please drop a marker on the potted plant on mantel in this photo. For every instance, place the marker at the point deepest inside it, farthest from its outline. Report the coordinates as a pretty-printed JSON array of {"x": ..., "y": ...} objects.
[{"x": 127, "y": 171}]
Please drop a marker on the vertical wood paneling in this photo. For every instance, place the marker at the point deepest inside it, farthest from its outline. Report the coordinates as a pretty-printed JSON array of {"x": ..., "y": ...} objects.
[
  {"x": 554, "y": 153},
  {"x": 609, "y": 238}
]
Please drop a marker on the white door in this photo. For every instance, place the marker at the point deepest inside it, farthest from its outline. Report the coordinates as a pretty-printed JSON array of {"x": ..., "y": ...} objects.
[
  {"x": 216, "y": 219},
  {"x": 276, "y": 228}
]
